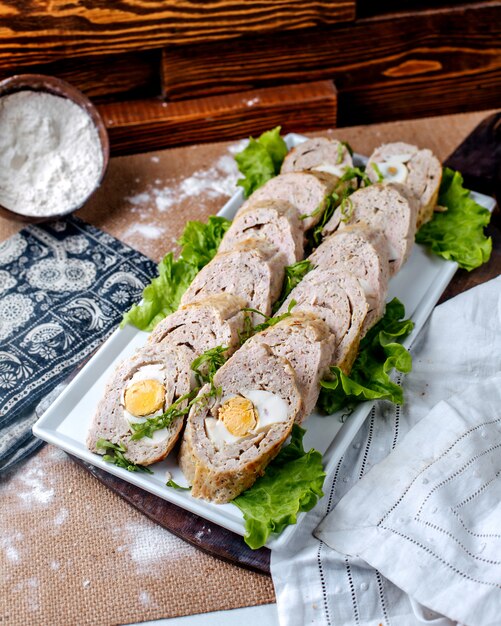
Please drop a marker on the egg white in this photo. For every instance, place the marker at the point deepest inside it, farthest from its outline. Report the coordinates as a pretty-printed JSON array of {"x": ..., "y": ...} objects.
[
  {"x": 270, "y": 408},
  {"x": 329, "y": 168}
]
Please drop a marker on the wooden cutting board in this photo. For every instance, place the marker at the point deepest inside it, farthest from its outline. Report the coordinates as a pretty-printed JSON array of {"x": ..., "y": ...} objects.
[{"x": 201, "y": 533}]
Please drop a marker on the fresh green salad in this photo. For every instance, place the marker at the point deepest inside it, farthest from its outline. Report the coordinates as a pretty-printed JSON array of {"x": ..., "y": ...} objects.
[
  {"x": 293, "y": 480},
  {"x": 199, "y": 243},
  {"x": 457, "y": 234}
]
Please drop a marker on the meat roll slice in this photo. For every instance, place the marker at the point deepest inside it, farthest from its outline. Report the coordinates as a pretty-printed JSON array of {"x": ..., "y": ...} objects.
[
  {"x": 229, "y": 440},
  {"x": 364, "y": 254},
  {"x": 339, "y": 300},
  {"x": 205, "y": 324},
  {"x": 308, "y": 345},
  {"x": 143, "y": 387},
  {"x": 275, "y": 221},
  {"x": 253, "y": 271},
  {"x": 306, "y": 191},
  {"x": 419, "y": 170},
  {"x": 319, "y": 154},
  {"x": 390, "y": 208}
]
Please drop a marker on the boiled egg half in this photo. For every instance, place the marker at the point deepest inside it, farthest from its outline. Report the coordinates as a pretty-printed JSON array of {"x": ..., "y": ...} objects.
[
  {"x": 240, "y": 416},
  {"x": 144, "y": 395},
  {"x": 394, "y": 169},
  {"x": 329, "y": 168}
]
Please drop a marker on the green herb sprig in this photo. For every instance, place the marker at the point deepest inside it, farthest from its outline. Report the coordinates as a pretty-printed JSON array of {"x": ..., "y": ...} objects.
[
  {"x": 207, "y": 364},
  {"x": 250, "y": 330},
  {"x": 166, "y": 419},
  {"x": 379, "y": 174},
  {"x": 174, "y": 485},
  {"x": 117, "y": 456},
  {"x": 294, "y": 274}
]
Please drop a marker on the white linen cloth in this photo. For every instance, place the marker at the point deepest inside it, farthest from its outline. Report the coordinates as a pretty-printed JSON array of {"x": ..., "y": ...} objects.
[{"x": 459, "y": 348}]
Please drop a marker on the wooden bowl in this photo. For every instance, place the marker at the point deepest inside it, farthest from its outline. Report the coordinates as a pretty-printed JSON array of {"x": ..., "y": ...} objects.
[{"x": 57, "y": 87}]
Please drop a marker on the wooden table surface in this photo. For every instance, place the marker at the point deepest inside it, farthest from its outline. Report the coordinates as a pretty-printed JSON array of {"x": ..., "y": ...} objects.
[{"x": 145, "y": 201}]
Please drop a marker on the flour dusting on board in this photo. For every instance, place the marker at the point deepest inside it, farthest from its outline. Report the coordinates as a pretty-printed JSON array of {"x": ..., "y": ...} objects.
[
  {"x": 216, "y": 182},
  {"x": 149, "y": 545}
]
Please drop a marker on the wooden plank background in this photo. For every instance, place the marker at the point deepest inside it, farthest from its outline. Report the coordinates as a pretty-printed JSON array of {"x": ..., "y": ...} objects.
[
  {"x": 184, "y": 71},
  {"x": 40, "y": 31},
  {"x": 151, "y": 122},
  {"x": 439, "y": 66}
]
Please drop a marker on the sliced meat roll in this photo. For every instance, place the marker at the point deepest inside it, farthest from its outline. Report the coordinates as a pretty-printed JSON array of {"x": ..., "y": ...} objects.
[
  {"x": 419, "y": 170},
  {"x": 229, "y": 440},
  {"x": 306, "y": 191},
  {"x": 308, "y": 345},
  {"x": 252, "y": 271},
  {"x": 143, "y": 387},
  {"x": 319, "y": 154},
  {"x": 364, "y": 254},
  {"x": 390, "y": 208},
  {"x": 275, "y": 221},
  {"x": 339, "y": 300},
  {"x": 205, "y": 324}
]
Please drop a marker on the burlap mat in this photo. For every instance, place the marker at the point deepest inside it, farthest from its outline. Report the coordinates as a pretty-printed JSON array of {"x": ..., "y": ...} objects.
[
  {"x": 71, "y": 552},
  {"x": 75, "y": 553}
]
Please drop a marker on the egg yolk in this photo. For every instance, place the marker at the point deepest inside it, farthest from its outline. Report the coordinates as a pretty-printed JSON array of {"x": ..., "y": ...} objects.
[
  {"x": 144, "y": 397},
  {"x": 238, "y": 415}
]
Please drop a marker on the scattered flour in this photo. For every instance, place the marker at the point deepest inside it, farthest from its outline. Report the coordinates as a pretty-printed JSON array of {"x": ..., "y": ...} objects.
[
  {"x": 50, "y": 154},
  {"x": 213, "y": 182},
  {"x": 30, "y": 589},
  {"x": 36, "y": 491},
  {"x": 61, "y": 517},
  {"x": 148, "y": 231},
  {"x": 8, "y": 545},
  {"x": 148, "y": 545},
  {"x": 218, "y": 181}
]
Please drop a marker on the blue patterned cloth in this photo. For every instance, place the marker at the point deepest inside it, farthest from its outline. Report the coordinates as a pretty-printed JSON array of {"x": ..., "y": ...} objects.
[{"x": 63, "y": 288}]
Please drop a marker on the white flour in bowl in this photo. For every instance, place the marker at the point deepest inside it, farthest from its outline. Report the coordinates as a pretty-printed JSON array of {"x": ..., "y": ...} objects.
[{"x": 50, "y": 154}]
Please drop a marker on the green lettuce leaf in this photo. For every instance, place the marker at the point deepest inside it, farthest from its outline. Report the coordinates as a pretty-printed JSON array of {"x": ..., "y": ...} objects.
[
  {"x": 380, "y": 353},
  {"x": 261, "y": 160},
  {"x": 199, "y": 243},
  {"x": 292, "y": 483},
  {"x": 458, "y": 233}
]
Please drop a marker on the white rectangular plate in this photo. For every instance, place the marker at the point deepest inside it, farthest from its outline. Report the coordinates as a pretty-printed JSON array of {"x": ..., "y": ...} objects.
[{"x": 419, "y": 285}]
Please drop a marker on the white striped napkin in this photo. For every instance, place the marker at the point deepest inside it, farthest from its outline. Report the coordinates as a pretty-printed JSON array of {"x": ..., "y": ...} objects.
[{"x": 459, "y": 349}]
